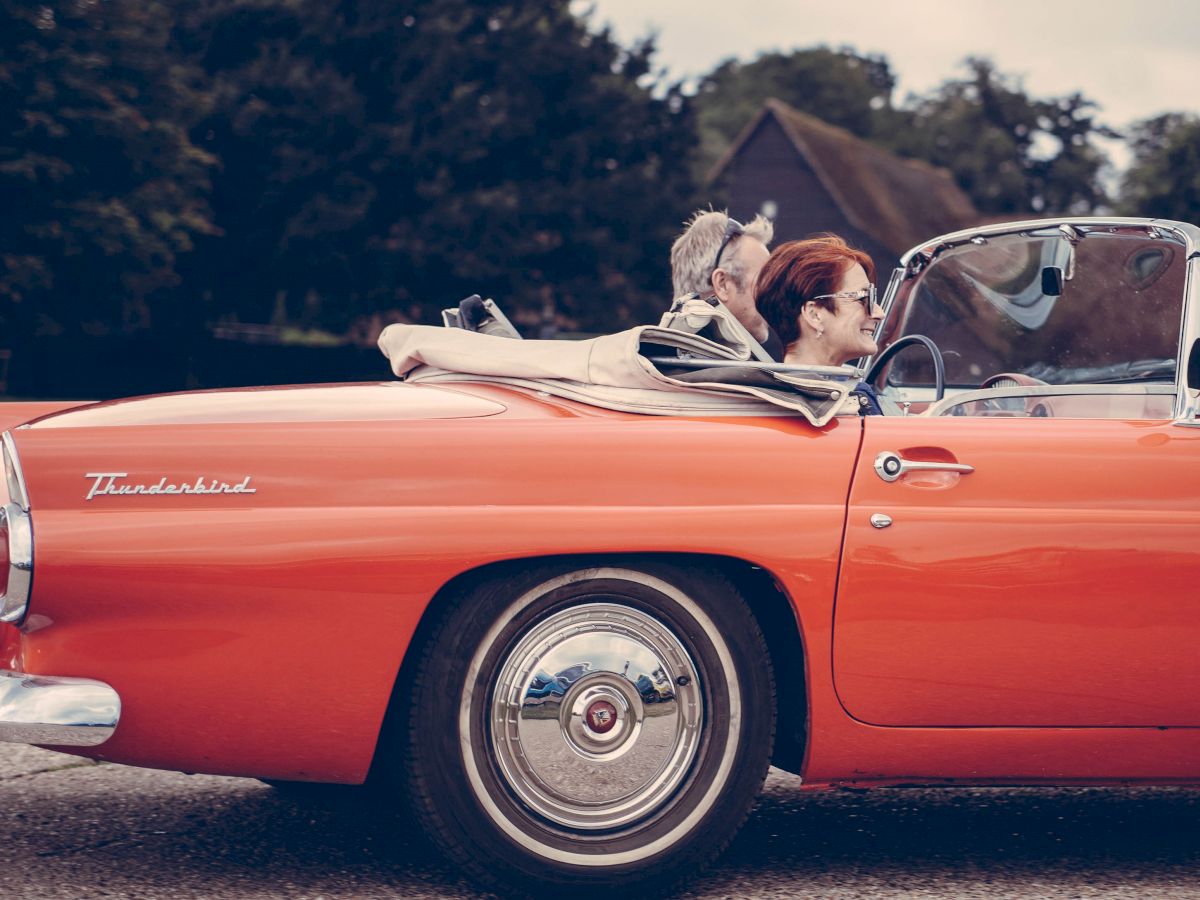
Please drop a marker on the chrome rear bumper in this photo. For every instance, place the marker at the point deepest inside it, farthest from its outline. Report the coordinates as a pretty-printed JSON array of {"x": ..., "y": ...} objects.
[{"x": 64, "y": 712}]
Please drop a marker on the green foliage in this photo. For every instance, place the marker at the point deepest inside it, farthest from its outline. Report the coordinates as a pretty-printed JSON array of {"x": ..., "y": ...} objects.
[
  {"x": 840, "y": 86},
  {"x": 1070, "y": 179},
  {"x": 312, "y": 161},
  {"x": 1164, "y": 179},
  {"x": 400, "y": 155},
  {"x": 103, "y": 188},
  {"x": 979, "y": 128},
  {"x": 1010, "y": 152},
  {"x": 527, "y": 158},
  {"x": 291, "y": 133}
]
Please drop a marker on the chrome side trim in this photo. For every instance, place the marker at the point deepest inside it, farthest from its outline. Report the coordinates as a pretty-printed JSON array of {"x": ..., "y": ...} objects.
[
  {"x": 14, "y": 521},
  {"x": 1024, "y": 391},
  {"x": 12, "y": 473},
  {"x": 62, "y": 712}
]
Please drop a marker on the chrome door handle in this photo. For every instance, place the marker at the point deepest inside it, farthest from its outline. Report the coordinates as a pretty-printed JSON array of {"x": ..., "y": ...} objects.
[{"x": 890, "y": 465}]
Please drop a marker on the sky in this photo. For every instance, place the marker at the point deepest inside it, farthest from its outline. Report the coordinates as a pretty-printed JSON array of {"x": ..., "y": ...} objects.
[{"x": 1135, "y": 59}]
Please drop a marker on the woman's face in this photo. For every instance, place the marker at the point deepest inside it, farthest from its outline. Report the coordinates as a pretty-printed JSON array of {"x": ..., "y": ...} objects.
[{"x": 849, "y": 333}]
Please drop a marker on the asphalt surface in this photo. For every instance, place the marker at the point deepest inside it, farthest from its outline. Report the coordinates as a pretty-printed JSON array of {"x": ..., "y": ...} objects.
[{"x": 74, "y": 829}]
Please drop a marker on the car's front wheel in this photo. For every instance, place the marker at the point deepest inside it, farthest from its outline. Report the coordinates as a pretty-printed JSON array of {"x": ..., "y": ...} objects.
[{"x": 571, "y": 727}]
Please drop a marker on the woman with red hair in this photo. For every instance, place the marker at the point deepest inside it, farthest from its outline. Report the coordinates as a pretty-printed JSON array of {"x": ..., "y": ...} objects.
[{"x": 819, "y": 297}]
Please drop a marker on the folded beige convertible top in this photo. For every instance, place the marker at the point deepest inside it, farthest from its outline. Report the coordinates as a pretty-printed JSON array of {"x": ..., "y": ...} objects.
[{"x": 652, "y": 369}]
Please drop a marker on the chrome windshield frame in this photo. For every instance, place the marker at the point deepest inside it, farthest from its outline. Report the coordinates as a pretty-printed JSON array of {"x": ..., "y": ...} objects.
[
  {"x": 1187, "y": 403},
  {"x": 1025, "y": 391},
  {"x": 889, "y": 297}
]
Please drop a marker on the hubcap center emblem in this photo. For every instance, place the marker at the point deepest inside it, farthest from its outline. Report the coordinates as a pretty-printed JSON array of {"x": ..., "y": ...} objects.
[{"x": 601, "y": 716}]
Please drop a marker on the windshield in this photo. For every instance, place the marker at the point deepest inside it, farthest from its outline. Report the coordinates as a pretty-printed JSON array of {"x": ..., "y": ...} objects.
[{"x": 1070, "y": 306}]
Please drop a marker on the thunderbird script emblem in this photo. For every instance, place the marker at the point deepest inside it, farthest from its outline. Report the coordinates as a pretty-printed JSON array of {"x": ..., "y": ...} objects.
[{"x": 110, "y": 483}]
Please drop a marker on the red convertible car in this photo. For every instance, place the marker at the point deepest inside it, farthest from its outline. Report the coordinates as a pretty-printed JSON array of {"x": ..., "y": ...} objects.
[{"x": 573, "y": 626}]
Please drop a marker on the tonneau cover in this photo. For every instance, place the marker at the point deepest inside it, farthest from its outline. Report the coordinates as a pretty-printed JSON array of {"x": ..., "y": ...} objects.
[{"x": 619, "y": 371}]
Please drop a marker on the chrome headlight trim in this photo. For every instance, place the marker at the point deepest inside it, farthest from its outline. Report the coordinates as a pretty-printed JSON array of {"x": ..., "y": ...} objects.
[
  {"x": 17, "y": 492},
  {"x": 15, "y": 599}
]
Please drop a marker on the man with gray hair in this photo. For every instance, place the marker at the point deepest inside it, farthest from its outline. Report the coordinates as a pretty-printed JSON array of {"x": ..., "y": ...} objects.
[{"x": 717, "y": 256}]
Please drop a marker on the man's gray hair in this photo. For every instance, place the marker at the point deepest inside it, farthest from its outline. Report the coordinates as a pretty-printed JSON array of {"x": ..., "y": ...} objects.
[{"x": 694, "y": 251}]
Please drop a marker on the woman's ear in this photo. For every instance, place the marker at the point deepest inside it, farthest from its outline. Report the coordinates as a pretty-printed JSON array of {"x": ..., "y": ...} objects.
[{"x": 812, "y": 314}]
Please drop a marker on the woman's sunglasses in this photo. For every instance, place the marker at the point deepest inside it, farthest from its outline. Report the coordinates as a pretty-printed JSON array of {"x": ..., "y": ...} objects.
[{"x": 866, "y": 297}]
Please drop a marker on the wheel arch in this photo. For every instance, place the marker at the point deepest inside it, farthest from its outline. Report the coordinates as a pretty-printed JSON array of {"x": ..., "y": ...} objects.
[{"x": 760, "y": 589}]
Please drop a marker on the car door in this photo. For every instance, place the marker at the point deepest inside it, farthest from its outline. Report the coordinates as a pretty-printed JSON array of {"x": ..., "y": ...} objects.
[{"x": 1053, "y": 584}]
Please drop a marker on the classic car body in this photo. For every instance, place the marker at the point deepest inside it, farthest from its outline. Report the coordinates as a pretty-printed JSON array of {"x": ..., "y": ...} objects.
[{"x": 321, "y": 583}]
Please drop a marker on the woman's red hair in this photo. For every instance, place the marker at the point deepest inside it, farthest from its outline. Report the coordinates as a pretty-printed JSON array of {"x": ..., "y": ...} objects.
[{"x": 798, "y": 271}]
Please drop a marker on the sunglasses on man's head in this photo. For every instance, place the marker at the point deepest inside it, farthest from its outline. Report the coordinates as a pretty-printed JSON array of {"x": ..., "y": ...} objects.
[
  {"x": 733, "y": 228},
  {"x": 866, "y": 297}
]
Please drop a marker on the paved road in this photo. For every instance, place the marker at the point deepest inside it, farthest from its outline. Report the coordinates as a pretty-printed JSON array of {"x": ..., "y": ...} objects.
[{"x": 73, "y": 829}]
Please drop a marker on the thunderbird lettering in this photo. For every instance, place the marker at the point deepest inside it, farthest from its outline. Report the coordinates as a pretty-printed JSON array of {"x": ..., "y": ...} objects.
[{"x": 105, "y": 483}]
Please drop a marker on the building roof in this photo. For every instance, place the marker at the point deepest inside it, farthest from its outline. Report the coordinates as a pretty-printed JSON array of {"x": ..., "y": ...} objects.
[{"x": 898, "y": 202}]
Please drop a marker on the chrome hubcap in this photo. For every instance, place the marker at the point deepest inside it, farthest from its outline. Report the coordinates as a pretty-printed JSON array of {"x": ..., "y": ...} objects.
[{"x": 597, "y": 716}]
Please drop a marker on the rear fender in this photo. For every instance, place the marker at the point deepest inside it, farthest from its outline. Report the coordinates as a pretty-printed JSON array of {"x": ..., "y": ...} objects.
[{"x": 18, "y": 413}]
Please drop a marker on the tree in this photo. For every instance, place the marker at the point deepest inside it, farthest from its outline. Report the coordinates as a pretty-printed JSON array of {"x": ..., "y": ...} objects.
[
  {"x": 1010, "y": 152},
  {"x": 382, "y": 155},
  {"x": 1069, "y": 180},
  {"x": 841, "y": 87},
  {"x": 296, "y": 153},
  {"x": 1164, "y": 178},
  {"x": 104, "y": 188}
]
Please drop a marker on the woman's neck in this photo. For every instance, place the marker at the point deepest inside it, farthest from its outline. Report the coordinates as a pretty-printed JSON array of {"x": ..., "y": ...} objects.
[{"x": 809, "y": 352}]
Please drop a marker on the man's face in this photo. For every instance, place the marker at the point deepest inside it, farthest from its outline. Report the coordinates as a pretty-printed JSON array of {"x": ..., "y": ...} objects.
[{"x": 751, "y": 253}]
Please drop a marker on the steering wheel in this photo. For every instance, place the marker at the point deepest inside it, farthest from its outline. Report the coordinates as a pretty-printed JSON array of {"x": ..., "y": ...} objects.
[{"x": 939, "y": 366}]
